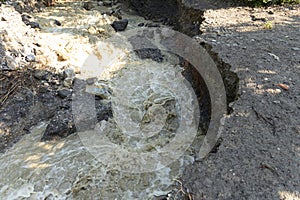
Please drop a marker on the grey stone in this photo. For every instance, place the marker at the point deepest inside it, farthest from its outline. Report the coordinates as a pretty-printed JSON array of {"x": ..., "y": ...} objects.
[
  {"x": 120, "y": 25},
  {"x": 63, "y": 93}
]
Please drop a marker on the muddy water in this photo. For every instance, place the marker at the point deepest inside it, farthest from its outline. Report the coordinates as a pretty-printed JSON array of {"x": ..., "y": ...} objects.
[{"x": 135, "y": 155}]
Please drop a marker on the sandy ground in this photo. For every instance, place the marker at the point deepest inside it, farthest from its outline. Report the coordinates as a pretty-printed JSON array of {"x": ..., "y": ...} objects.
[{"x": 259, "y": 157}]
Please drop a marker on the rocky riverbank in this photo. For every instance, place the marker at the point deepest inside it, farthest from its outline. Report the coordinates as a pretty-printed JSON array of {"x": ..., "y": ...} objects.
[{"x": 257, "y": 52}]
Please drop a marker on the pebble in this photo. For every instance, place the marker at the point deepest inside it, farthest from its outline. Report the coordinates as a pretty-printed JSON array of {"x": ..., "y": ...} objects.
[
  {"x": 56, "y": 22},
  {"x": 33, "y": 25},
  {"x": 107, "y": 3},
  {"x": 30, "y": 58},
  {"x": 68, "y": 73},
  {"x": 40, "y": 75},
  {"x": 120, "y": 25},
  {"x": 88, "y": 5},
  {"x": 91, "y": 81},
  {"x": 274, "y": 56},
  {"x": 284, "y": 86},
  {"x": 63, "y": 93}
]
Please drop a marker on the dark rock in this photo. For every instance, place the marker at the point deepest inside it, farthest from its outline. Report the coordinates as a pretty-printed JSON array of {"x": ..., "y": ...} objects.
[
  {"x": 88, "y": 5},
  {"x": 141, "y": 24},
  {"x": 152, "y": 25},
  {"x": 120, "y": 25},
  {"x": 64, "y": 93},
  {"x": 153, "y": 54},
  {"x": 56, "y": 22},
  {"x": 26, "y": 20},
  {"x": 107, "y": 3},
  {"x": 3, "y": 19},
  {"x": 61, "y": 125},
  {"x": 33, "y": 25},
  {"x": 184, "y": 16}
]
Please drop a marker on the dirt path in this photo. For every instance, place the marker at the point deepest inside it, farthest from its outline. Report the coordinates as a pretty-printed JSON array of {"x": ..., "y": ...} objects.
[{"x": 259, "y": 157}]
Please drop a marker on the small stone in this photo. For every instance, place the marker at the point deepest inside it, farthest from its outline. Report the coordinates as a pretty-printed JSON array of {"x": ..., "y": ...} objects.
[
  {"x": 68, "y": 82},
  {"x": 141, "y": 24},
  {"x": 284, "y": 86},
  {"x": 68, "y": 73},
  {"x": 88, "y": 5},
  {"x": 91, "y": 81},
  {"x": 56, "y": 22},
  {"x": 274, "y": 56},
  {"x": 107, "y": 3},
  {"x": 64, "y": 93},
  {"x": 100, "y": 90},
  {"x": 120, "y": 25},
  {"x": 34, "y": 25},
  {"x": 296, "y": 49},
  {"x": 30, "y": 58}
]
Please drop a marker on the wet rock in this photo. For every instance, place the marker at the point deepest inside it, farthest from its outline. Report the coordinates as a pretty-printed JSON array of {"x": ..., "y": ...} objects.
[
  {"x": 33, "y": 25},
  {"x": 120, "y": 25},
  {"x": 61, "y": 125},
  {"x": 26, "y": 20},
  {"x": 107, "y": 3},
  {"x": 152, "y": 25},
  {"x": 68, "y": 76},
  {"x": 64, "y": 93},
  {"x": 103, "y": 109},
  {"x": 56, "y": 22},
  {"x": 88, "y": 5}
]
